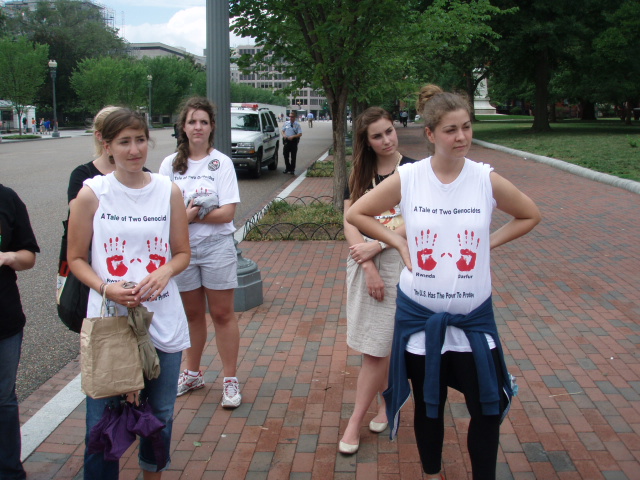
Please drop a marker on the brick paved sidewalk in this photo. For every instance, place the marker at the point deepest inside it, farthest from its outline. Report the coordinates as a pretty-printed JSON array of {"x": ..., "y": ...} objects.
[{"x": 566, "y": 300}]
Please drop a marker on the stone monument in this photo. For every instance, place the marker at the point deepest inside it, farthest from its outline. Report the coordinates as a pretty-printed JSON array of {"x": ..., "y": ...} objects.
[{"x": 481, "y": 103}]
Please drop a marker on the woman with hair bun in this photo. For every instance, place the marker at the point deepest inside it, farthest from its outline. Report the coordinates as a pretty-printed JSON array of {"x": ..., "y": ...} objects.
[
  {"x": 445, "y": 332},
  {"x": 208, "y": 182},
  {"x": 372, "y": 271}
]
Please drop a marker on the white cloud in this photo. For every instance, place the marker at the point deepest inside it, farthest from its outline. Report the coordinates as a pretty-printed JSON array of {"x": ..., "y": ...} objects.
[{"x": 186, "y": 28}]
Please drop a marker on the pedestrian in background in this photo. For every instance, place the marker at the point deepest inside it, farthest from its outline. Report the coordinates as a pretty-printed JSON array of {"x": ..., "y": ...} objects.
[
  {"x": 291, "y": 133},
  {"x": 372, "y": 271},
  {"x": 445, "y": 332},
  {"x": 205, "y": 174},
  {"x": 18, "y": 248}
]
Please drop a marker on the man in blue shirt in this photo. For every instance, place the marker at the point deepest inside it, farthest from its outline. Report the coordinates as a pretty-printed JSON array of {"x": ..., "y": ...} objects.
[{"x": 291, "y": 133}]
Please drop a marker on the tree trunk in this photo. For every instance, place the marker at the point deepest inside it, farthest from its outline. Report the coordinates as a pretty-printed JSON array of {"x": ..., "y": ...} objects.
[
  {"x": 588, "y": 110},
  {"x": 628, "y": 112},
  {"x": 338, "y": 104},
  {"x": 541, "y": 119},
  {"x": 470, "y": 87}
]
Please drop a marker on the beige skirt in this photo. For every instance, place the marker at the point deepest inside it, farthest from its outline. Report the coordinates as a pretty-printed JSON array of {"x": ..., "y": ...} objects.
[{"x": 370, "y": 322}]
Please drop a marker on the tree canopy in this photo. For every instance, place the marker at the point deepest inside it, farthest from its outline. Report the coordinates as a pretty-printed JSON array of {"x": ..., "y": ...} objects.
[
  {"x": 74, "y": 31},
  {"x": 23, "y": 68}
]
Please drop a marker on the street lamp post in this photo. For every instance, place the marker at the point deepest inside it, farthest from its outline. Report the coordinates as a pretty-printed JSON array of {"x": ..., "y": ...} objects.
[
  {"x": 53, "y": 65},
  {"x": 149, "y": 79}
]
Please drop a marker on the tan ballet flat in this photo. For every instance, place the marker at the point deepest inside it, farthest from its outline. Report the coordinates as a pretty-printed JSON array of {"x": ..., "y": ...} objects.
[
  {"x": 377, "y": 427},
  {"x": 347, "y": 448}
]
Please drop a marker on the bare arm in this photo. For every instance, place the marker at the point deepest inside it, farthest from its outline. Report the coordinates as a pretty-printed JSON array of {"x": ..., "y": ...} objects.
[
  {"x": 359, "y": 249},
  {"x": 80, "y": 232},
  {"x": 18, "y": 261},
  {"x": 384, "y": 197},
  {"x": 151, "y": 286},
  {"x": 515, "y": 203},
  {"x": 363, "y": 252}
]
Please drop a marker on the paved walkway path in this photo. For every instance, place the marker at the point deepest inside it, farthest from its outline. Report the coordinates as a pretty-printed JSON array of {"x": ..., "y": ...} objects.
[{"x": 567, "y": 303}]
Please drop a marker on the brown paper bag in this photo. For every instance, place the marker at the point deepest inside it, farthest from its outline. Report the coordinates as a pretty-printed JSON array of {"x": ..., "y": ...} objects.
[{"x": 109, "y": 358}]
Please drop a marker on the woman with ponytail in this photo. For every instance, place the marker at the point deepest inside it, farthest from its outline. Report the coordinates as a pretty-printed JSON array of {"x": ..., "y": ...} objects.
[{"x": 209, "y": 185}]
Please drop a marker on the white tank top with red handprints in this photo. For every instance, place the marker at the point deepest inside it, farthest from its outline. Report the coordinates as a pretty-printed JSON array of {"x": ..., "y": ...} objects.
[
  {"x": 131, "y": 230},
  {"x": 448, "y": 228}
]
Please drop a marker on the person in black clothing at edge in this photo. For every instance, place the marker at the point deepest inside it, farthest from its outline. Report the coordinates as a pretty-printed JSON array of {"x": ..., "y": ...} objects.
[
  {"x": 291, "y": 133},
  {"x": 18, "y": 248}
]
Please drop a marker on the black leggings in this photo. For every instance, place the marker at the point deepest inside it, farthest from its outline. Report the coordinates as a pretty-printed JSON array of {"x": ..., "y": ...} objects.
[{"x": 457, "y": 370}]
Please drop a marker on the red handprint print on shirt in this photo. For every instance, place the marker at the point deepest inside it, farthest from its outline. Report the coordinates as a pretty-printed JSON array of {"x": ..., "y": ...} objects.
[
  {"x": 157, "y": 254},
  {"x": 467, "y": 261},
  {"x": 115, "y": 262},
  {"x": 425, "y": 256}
]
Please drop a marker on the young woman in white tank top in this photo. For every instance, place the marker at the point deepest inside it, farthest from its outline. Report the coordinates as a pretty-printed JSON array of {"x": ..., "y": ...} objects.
[{"x": 446, "y": 201}]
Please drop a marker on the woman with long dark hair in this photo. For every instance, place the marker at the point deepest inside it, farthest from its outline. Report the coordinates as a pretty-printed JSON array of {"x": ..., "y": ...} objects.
[{"x": 372, "y": 270}]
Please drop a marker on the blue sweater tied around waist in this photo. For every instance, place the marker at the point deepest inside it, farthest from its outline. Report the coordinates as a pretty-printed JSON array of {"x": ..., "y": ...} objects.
[{"x": 411, "y": 317}]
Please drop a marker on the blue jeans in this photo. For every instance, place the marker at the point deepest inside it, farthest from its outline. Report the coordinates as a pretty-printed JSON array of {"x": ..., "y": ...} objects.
[
  {"x": 10, "y": 442},
  {"x": 161, "y": 393}
]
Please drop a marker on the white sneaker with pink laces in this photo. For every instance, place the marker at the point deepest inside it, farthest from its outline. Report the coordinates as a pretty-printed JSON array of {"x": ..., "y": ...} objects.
[{"x": 231, "y": 397}]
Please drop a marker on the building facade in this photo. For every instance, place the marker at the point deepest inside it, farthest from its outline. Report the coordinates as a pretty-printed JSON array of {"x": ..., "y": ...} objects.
[{"x": 304, "y": 100}]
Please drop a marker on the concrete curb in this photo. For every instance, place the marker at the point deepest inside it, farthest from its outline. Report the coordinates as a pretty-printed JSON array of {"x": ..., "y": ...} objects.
[{"x": 629, "y": 185}]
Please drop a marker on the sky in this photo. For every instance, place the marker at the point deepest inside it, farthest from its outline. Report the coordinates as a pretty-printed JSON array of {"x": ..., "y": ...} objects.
[{"x": 179, "y": 23}]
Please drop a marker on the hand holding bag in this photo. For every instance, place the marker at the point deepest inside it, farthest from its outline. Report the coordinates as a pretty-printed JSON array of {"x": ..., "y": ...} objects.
[{"x": 109, "y": 358}]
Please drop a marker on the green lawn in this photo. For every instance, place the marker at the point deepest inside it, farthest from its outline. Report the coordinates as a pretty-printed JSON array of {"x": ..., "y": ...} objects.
[{"x": 605, "y": 145}]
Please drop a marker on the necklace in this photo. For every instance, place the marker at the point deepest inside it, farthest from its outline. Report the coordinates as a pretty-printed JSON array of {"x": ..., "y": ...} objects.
[
  {"x": 124, "y": 188},
  {"x": 379, "y": 178}
]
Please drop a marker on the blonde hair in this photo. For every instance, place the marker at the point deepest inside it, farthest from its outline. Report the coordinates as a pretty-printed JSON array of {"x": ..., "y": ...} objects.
[
  {"x": 433, "y": 103},
  {"x": 98, "y": 124}
]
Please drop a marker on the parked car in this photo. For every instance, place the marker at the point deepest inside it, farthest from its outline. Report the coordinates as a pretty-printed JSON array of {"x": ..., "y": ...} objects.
[{"x": 255, "y": 139}]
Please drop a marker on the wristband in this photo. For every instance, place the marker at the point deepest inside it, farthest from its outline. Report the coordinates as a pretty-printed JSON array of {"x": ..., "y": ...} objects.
[{"x": 382, "y": 245}]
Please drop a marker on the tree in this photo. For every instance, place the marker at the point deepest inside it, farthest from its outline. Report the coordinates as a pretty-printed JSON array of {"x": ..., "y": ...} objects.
[
  {"x": 242, "y": 93},
  {"x": 617, "y": 49},
  {"x": 110, "y": 81},
  {"x": 320, "y": 44},
  {"x": 534, "y": 44},
  {"x": 74, "y": 31},
  {"x": 23, "y": 68},
  {"x": 172, "y": 81}
]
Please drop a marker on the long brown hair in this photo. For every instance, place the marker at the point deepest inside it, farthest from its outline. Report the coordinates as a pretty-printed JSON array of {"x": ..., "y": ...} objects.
[
  {"x": 364, "y": 158},
  {"x": 433, "y": 103},
  {"x": 181, "y": 162}
]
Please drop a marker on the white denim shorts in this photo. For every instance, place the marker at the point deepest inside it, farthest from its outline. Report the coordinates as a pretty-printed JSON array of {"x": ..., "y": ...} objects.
[{"x": 214, "y": 265}]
